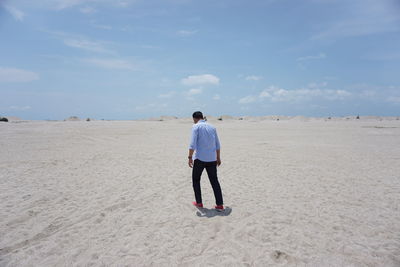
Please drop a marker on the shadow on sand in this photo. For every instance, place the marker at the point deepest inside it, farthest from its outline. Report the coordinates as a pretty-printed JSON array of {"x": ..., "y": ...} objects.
[{"x": 209, "y": 213}]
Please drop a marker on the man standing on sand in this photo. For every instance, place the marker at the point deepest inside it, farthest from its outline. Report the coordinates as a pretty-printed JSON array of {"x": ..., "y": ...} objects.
[{"x": 204, "y": 141}]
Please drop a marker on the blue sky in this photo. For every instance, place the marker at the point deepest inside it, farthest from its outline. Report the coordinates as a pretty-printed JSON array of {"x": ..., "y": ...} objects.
[{"x": 122, "y": 59}]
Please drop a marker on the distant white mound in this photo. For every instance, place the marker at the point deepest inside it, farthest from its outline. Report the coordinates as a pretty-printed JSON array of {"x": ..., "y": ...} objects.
[
  {"x": 13, "y": 118},
  {"x": 226, "y": 118},
  {"x": 300, "y": 118},
  {"x": 274, "y": 118},
  {"x": 163, "y": 118},
  {"x": 72, "y": 118},
  {"x": 168, "y": 118}
]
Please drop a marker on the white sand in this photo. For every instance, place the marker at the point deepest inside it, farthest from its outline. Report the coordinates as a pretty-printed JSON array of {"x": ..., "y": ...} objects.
[{"x": 109, "y": 193}]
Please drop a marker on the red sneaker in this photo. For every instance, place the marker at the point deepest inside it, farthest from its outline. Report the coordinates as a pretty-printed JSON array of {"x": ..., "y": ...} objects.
[
  {"x": 219, "y": 207},
  {"x": 199, "y": 205}
]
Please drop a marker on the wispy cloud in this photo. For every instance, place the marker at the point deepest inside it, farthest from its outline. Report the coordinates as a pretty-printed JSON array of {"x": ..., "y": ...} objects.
[
  {"x": 317, "y": 85},
  {"x": 194, "y": 91},
  {"x": 63, "y": 4},
  {"x": 146, "y": 46},
  {"x": 17, "y": 75},
  {"x": 186, "y": 32},
  {"x": 103, "y": 27},
  {"x": 365, "y": 17},
  {"x": 16, "y": 13},
  {"x": 167, "y": 95},
  {"x": 84, "y": 44},
  {"x": 276, "y": 94},
  {"x": 358, "y": 27},
  {"x": 384, "y": 56},
  {"x": 393, "y": 99},
  {"x": 319, "y": 56},
  {"x": 253, "y": 78},
  {"x": 376, "y": 93},
  {"x": 216, "y": 97},
  {"x": 19, "y": 108},
  {"x": 125, "y": 3},
  {"x": 248, "y": 99},
  {"x": 87, "y": 10},
  {"x": 368, "y": 93},
  {"x": 191, "y": 93},
  {"x": 200, "y": 80},
  {"x": 110, "y": 63}
]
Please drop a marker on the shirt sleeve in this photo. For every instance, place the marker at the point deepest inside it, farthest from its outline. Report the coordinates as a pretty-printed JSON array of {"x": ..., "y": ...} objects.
[
  {"x": 193, "y": 139},
  {"x": 217, "y": 144}
]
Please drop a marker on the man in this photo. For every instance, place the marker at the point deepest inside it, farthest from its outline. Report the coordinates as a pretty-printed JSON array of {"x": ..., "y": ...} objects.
[{"x": 204, "y": 141}]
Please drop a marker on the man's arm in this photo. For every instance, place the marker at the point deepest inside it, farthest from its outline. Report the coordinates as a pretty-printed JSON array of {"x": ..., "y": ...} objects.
[
  {"x": 190, "y": 157},
  {"x": 218, "y": 148},
  {"x": 192, "y": 146},
  {"x": 218, "y": 157}
]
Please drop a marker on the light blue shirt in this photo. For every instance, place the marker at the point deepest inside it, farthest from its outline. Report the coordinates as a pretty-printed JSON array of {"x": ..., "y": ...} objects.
[{"x": 204, "y": 141}]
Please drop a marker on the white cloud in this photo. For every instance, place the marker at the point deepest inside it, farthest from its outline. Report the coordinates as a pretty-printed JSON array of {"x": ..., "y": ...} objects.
[
  {"x": 123, "y": 3},
  {"x": 276, "y": 94},
  {"x": 88, "y": 10},
  {"x": 17, "y": 75},
  {"x": 368, "y": 93},
  {"x": 19, "y": 108},
  {"x": 393, "y": 99},
  {"x": 87, "y": 45},
  {"x": 63, "y": 4},
  {"x": 319, "y": 56},
  {"x": 363, "y": 17},
  {"x": 194, "y": 91},
  {"x": 150, "y": 46},
  {"x": 312, "y": 92},
  {"x": 253, "y": 78},
  {"x": 186, "y": 32},
  {"x": 82, "y": 42},
  {"x": 69, "y": 3},
  {"x": 375, "y": 93},
  {"x": 118, "y": 64},
  {"x": 16, "y": 13},
  {"x": 330, "y": 78},
  {"x": 103, "y": 27},
  {"x": 358, "y": 27},
  {"x": 217, "y": 97},
  {"x": 384, "y": 56},
  {"x": 247, "y": 99},
  {"x": 200, "y": 79},
  {"x": 339, "y": 93},
  {"x": 264, "y": 94},
  {"x": 167, "y": 95},
  {"x": 317, "y": 85}
]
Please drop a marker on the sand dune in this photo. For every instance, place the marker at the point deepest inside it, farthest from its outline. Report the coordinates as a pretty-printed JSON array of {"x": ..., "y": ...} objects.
[{"x": 118, "y": 193}]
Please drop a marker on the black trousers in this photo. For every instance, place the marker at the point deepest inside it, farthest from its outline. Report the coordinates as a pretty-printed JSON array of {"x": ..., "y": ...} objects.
[{"x": 211, "y": 168}]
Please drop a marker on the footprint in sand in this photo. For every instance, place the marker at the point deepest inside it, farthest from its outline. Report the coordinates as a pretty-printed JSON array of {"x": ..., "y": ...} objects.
[{"x": 280, "y": 257}]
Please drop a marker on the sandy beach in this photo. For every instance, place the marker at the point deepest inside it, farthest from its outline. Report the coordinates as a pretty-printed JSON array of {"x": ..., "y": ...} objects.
[{"x": 301, "y": 192}]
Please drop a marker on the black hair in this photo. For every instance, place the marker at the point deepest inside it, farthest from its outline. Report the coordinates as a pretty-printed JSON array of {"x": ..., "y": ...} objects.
[{"x": 197, "y": 115}]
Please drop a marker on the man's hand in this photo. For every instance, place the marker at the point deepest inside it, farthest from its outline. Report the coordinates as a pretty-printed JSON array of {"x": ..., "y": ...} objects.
[
  {"x": 190, "y": 163},
  {"x": 191, "y": 151},
  {"x": 218, "y": 157}
]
